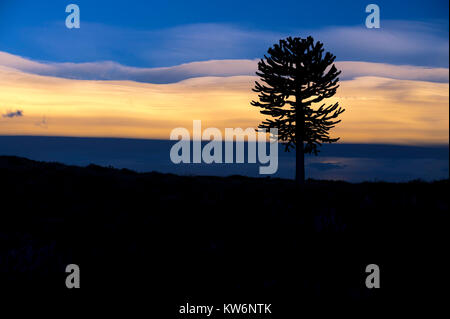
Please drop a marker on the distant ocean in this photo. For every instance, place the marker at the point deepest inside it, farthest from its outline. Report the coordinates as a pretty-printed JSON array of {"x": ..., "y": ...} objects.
[{"x": 349, "y": 162}]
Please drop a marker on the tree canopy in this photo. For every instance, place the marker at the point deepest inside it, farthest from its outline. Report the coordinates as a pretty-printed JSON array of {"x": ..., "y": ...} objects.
[{"x": 295, "y": 78}]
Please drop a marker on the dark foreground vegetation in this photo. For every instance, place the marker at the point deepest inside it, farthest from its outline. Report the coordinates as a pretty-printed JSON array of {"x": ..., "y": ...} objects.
[{"x": 171, "y": 239}]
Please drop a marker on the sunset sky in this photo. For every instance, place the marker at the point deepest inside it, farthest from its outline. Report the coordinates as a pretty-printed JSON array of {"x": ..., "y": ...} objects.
[{"x": 140, "y": 70}]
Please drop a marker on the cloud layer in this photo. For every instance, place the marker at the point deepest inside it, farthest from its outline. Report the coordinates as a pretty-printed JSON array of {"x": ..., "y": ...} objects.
[
  {"x": 115, "y": 71},
  {"x": 378, "y": 109}
]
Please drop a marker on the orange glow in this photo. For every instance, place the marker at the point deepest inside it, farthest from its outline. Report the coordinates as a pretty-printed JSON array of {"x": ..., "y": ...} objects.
[{"x": 378, "y": 109}]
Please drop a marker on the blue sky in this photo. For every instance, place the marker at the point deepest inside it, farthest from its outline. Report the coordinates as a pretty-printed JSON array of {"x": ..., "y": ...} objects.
[{"x": 166, "y": 33}]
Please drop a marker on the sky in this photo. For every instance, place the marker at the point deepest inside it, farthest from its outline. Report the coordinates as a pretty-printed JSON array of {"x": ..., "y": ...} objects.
[{"x": 142, "y": 68}]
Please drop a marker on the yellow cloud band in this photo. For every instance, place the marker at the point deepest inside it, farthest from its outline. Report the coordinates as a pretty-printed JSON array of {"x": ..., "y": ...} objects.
[{"x": 378, "y": 109}]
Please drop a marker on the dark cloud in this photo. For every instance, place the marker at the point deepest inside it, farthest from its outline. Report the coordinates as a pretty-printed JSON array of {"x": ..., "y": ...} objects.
[{"x": 12, "y": 114}]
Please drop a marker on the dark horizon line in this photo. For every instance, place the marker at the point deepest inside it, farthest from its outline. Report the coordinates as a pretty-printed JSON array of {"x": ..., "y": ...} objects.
[{"x": 431, "y": 145}]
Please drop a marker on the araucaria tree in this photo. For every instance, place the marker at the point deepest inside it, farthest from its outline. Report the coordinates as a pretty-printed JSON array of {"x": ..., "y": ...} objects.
[{"x": 297, "y": 76}]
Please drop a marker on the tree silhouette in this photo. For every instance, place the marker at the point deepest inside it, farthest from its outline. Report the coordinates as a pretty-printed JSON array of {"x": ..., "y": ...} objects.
[{"x": 296, "y": 77}]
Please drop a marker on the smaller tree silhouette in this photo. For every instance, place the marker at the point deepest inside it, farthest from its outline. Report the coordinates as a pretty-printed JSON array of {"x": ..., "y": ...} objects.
[{"x": 297, "y": 76}]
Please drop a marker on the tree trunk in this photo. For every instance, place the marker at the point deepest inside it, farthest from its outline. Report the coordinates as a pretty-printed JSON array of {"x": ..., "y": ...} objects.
[
  {"x": 300, "y": 165},
  {"x": 299, "y": 148}
]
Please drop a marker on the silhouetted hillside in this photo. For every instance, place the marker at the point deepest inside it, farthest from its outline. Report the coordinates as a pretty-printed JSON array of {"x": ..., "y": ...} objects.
[{"x": 218, "y": 238}]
